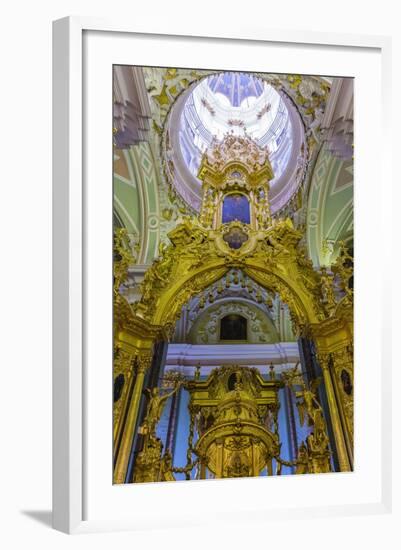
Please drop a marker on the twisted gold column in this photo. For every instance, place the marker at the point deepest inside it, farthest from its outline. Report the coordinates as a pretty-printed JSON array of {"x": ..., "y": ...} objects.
[
  {"x": 143, "y": 363},
  {"x": 334, "y": 415}
]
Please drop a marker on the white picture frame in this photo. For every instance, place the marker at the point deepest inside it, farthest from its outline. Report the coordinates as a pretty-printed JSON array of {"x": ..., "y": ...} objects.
[{"x": 71, "y": 260}]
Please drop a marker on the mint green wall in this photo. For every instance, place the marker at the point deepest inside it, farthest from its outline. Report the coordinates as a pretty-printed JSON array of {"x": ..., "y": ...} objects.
[
  {"x": 136, "y": 200},
  {"x": 330, "y": 208}
]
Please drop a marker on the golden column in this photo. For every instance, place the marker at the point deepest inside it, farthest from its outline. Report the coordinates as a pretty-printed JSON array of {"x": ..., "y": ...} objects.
[
  {"x": 343, "y": 459},
  {"x": 144, "y": 361},
  {"x": 343, "y": 367},
  {"x": 123, "y": 365}
]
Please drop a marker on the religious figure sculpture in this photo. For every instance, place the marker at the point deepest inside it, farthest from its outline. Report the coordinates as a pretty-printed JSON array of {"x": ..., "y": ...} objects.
[
  {"x": 155, "y": 407},
  {"x": 309, "y": 407},
  {"x": 166, "y": 467},
  {"x": 123, "y": 258},
  {"x": 150, "y": 465},
  {"x": 343, "y": 268},
  {"x": 262, "y": 213},
  {"x": 327, "y": 289},
  {"x": 317, "y": 441},
  {"x": 302, "y": 460},
  {"x": 314, "y": 456},
  {"x": 147, "y": 467}
]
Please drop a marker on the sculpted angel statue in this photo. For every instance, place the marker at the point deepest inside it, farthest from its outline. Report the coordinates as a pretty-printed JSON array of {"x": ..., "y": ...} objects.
[
  {"x": 327, "y": 289},
  {"x": 309, "y": 407},
  {"x": 155, "y": 406}
]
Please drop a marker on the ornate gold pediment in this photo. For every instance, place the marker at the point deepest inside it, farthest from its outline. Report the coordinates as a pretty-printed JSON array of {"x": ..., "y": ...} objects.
[
  {"x": 197, "y": 257},
  {"x": 222, "y": 156}
]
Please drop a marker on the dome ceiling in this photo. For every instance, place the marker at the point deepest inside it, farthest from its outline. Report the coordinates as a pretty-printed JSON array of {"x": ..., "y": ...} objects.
[
  {"x": 236, "y": 87},
  {"x": 242, "y": 104},
  {"x": 235, "y": 103}
]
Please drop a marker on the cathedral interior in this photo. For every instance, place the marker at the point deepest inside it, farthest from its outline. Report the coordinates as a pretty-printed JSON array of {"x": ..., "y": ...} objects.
[{"x": 233, "y": 274}]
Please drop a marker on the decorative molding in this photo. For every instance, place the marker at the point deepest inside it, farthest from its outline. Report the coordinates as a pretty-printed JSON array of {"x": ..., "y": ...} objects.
[
  {"x": 186, "y": 357},
  {"x": 131, "y": 114}
]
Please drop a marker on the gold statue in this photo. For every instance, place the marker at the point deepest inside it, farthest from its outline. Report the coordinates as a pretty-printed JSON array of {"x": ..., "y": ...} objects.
[
  {"x": 148, "y": 462},
  {"x": 318, "y": 442},
  {"x": 123, "y": 257},
  {"x": 166, "y": 467},
  {"x": 150, "y": 465},
  {"x": 155, "y": 407},
  {"x": 302, "y": 460},
  {"x": 327, "y": 289},
  {"x": 314, "y": 456},
  {"x": 309, "y": 407},
  {"x": 343, "y": 268}
]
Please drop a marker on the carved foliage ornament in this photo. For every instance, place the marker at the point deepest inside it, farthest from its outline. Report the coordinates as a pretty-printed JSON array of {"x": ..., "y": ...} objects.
[
  {"x": 236, "y": 148},
  {"x": 196, "y": 259}
]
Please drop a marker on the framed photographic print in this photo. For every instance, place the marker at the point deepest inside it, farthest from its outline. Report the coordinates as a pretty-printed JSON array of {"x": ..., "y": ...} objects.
[{"x": 216, "y": 304}]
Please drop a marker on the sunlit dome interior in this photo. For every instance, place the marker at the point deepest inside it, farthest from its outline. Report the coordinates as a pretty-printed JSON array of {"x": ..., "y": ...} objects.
[{"x": 237, "y": 103}]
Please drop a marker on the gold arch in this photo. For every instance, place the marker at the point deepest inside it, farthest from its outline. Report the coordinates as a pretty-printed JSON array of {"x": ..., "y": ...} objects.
[
  {"x": 196, "y": 259},
  {"x": 187, "y": 286}
]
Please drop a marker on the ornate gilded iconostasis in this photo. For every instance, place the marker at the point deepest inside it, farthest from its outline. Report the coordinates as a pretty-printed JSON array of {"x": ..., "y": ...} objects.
[{"x": 233, "y": 274}]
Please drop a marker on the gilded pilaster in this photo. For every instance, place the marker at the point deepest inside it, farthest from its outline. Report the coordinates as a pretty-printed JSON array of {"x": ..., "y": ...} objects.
[
  {"x": 343, "y": 459},
  {"x": 344, "y": 386},
  {"x": 123, "y": 367},
  {"x": 143, "y": 362}
]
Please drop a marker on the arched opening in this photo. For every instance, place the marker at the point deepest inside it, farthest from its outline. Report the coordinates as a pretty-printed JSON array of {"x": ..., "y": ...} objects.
[{"x": 233, "y": 327}]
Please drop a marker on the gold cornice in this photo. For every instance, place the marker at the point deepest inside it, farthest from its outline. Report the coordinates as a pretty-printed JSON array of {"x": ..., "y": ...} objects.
[
  {"x": 209, "y": 174},
  {"x": 331, "y": 334},
  {"x": 131, "y": 331}
]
